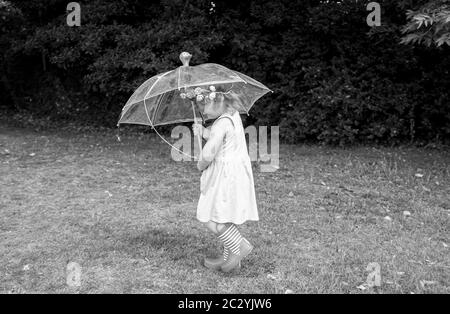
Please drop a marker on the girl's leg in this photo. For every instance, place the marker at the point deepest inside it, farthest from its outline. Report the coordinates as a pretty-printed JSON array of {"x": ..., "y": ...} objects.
[
  {"x": 236, "y": 247},
  {"x": 214, "y": 226},
  {"x": 236, "y": 244},
  {"x": 216, "y": 263}
]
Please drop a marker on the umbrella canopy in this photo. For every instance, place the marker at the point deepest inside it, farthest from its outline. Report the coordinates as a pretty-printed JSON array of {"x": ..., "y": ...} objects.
[{"x": 157, "y": 101}]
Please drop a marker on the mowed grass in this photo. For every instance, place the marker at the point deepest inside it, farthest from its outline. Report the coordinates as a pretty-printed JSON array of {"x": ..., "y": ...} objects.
[{"x": 125, "y": 212}]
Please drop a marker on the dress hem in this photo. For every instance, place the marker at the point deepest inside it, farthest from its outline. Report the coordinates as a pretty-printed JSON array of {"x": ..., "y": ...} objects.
[{"x": 228, "y": 221}]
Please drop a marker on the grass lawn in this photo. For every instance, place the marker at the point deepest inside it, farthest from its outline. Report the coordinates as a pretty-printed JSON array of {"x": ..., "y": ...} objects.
[{"x": 125, "y": 212}]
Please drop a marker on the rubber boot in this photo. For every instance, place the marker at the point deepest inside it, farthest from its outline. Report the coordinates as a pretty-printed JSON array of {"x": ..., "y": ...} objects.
[
  {"x": 234, "y": 260},
  {"x": 215, "y": 263}
]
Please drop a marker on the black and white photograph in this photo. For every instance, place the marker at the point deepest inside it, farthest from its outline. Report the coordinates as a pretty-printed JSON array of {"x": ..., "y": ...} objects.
[{"x": 225, "y": 154}]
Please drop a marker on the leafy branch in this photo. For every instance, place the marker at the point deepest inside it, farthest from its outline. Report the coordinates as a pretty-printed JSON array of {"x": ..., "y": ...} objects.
[{"x": 430, "y": 25}]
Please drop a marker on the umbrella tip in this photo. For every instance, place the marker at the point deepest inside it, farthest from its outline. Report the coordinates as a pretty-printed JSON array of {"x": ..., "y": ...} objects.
[{"x": 185, "y": 57}]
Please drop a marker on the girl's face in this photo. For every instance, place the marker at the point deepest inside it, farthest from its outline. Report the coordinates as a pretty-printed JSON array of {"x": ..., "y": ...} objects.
[{"x": 213, "y": 108}]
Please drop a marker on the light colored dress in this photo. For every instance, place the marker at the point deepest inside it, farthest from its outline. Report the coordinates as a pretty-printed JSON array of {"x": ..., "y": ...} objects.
[{"x": 227, "y": 186}]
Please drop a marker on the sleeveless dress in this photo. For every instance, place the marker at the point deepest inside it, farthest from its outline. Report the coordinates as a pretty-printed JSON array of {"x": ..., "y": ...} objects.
[{"x": 227, "y": 186}]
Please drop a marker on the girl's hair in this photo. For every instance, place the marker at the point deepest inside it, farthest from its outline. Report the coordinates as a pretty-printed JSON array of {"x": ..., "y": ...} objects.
[{"x": 230, "y": 99}]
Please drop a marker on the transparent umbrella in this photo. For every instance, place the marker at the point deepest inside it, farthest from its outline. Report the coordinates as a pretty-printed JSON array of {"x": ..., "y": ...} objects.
[{"x": 172, "y": 97}]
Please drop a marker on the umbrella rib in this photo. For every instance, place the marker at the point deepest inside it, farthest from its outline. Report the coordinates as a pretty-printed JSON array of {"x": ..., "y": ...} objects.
[
  {"x": 240, "y": 103},
  {"x": 158, "y": 103},
  {"x": 239, "y": 77},
  {"x": 145, "y": 105},
  {"x": 178, "y": 81},
  {"x": 190, "y": 156},
  {"x": 128, "y": 105},
  {"x": 243, "y": 79},
  {"x": 159, "y": 77},
  {"x": 233, "y": 73},
  {"x": 151, "y": 124}
]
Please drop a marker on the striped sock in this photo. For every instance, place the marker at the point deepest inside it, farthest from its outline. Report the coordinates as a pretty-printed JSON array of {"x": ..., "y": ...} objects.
[
  {"x": 231, "y": 238},
  {"x": 225, "y": 253}
]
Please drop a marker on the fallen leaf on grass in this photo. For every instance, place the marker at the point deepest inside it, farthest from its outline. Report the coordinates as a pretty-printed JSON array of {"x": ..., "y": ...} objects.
[
  {"x": 345, "y": 189},
  {"x": 362, "y": 287},
  {"x": 430, "y": 262},
  {"x": 424, "y": 283}
]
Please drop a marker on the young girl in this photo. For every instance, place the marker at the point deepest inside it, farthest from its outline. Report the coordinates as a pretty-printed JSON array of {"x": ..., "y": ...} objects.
[{"x": 227, "y": 189}]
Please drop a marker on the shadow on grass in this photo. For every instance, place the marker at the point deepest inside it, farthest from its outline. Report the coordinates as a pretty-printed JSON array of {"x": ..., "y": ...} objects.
[
  {"x": 187, "y": 250},
  {"x": 175, "y": 246}
]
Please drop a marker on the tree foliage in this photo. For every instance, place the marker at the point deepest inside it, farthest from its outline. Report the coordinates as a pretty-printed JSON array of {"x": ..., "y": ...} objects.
[
  {"x": 429, "y": 25},
  {"x": 335, "y": 79}
]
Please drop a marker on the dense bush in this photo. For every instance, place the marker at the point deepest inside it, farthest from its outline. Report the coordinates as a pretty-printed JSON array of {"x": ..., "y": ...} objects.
[{"x": 336, "y": 80}]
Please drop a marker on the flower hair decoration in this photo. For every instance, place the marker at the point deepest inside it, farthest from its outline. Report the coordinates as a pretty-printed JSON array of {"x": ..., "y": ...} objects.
[{"x": 200, "y": 93}]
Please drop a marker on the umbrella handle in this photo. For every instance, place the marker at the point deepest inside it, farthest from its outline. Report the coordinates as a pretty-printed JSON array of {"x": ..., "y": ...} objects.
[{"x": 198, "y": 135}]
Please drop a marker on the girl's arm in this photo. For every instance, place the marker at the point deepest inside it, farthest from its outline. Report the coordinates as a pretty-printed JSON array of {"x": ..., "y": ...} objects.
[{"x": 212, "y": 146}]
